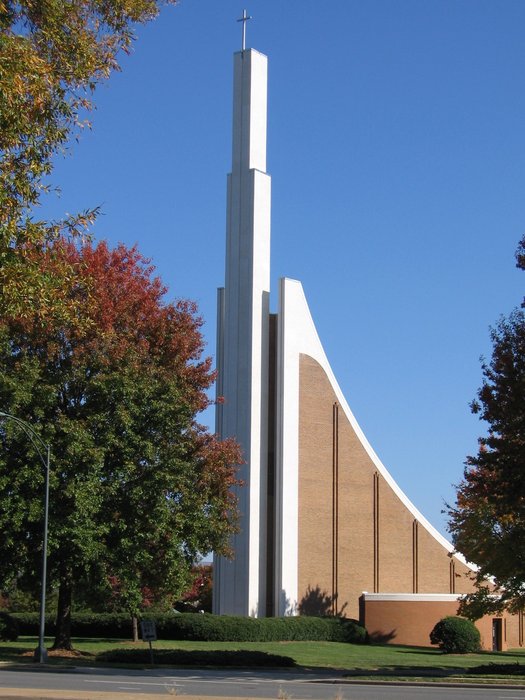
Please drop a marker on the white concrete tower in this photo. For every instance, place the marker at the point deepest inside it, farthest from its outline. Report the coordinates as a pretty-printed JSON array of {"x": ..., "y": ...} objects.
[{"x": 243, "y": 337}]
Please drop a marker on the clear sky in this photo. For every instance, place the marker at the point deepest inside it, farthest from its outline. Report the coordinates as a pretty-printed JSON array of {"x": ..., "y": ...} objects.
[{"x": 396, "y": 146}]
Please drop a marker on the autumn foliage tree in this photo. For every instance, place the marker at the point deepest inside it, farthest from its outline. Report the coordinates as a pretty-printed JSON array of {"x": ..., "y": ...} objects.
[
  {"x": 199, "y": 595},
  {"x": 488, "y": 521},
  {"x": 139, "y": 490},
  {"x": 52, "y": 56}
]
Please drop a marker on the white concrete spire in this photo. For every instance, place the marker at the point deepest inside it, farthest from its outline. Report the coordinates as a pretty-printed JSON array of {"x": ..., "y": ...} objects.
[{"x": 243, "y": 330}]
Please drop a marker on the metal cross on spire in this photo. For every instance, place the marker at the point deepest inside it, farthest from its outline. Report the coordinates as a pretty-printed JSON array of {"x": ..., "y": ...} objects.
[{"x": 245, "y": 17}]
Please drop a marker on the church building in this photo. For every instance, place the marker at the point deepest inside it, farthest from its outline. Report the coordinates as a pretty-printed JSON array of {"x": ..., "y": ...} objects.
[{"x": 324, "y": 528}]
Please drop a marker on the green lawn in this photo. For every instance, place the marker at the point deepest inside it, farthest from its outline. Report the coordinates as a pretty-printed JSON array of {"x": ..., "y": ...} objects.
[{"x": 362, "y": 660}]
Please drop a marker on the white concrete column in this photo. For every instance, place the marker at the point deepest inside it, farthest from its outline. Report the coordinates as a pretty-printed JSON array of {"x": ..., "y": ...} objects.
[{"x": 239, "y": 585}]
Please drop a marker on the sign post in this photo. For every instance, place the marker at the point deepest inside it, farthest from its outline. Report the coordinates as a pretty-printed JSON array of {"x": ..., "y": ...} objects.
[{"x": 149, "y": 634}]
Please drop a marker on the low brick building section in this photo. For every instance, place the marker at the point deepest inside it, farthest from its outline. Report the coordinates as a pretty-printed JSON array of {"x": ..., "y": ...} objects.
[{"x": 409, "y": 619}]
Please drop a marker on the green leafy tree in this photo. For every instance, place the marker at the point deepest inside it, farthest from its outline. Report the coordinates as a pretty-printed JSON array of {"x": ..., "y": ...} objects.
[
  {"x": 53, "y": 53},
  {"x": 138, "y": 488},
  {"x": 488, "y": 521}
]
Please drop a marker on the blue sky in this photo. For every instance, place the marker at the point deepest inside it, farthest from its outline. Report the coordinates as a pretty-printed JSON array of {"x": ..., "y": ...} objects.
[{"x": 396, "y": 146}]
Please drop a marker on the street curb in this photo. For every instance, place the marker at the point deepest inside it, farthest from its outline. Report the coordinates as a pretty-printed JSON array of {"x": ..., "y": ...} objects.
[{"x": 426, "y": 684}]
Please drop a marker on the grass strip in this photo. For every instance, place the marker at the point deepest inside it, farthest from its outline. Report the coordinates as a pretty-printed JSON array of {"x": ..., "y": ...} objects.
[{"x": 366, "y": 660}]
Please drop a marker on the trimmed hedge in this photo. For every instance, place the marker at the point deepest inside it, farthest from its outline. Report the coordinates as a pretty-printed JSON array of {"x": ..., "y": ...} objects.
[
  {"x": 8, "y": 627},
  {"x": 82, "y": 624},
  {"x": 225, "y": 628},
  {"x": 456, "y": 635},
  {"x": 184, "y": 657},
  {"x": 209, "y": 628}
]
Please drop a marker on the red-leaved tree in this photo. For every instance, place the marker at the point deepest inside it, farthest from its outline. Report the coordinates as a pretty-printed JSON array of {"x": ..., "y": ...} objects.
[{"x": 139, "y": 489}]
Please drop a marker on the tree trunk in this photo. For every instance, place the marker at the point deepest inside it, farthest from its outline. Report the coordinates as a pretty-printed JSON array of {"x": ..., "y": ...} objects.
[
  {"x": 63, "y": 628},
  {"x": 135, "y": 623}
]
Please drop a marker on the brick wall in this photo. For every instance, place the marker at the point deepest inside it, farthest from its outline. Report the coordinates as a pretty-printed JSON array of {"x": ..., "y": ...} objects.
[{"x": 355, "y": 533}]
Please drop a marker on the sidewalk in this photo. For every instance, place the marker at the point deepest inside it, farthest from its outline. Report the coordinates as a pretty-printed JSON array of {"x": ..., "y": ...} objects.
[{"x": 29, "y": 694}]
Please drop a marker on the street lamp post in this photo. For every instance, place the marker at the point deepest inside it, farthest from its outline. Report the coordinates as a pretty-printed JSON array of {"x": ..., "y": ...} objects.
[{"x": 45, "y": 456}]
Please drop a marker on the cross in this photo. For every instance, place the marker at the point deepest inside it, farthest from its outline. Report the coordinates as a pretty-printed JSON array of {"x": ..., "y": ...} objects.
[{"x": 244, "y": 19}]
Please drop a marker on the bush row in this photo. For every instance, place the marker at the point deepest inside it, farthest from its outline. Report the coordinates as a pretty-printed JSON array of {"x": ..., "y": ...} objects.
[
  {"x": 209, "y": 628},
  {"x": 82, "y": 624},
  {"x": 8, "y": 628},
  {"x": 185, "y": 657}
]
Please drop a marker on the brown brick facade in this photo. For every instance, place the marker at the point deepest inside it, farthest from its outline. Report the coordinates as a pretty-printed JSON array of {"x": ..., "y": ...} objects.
[{"x": 356, "y": 534}]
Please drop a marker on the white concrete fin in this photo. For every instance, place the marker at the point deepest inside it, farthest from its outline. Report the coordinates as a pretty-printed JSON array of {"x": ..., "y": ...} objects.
[{"x": 297, "y": 334}]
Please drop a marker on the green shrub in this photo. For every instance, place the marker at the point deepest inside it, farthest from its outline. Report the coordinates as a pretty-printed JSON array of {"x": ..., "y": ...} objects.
[
  {"x": 456, "y": 635},
  {"x": 208, "y": 628},
  {"x": 8, "y": 627},
  {"x": 101, "y": 625},
  {"x": 185, "y": 657}
]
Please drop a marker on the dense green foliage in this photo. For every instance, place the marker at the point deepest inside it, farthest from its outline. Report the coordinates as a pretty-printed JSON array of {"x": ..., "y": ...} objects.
[
  {"x": 183, "y": 657},
  {"x": 456, "y": 635},
  {"x": 488, "y": 520},
  {"x": 8, "y": 627},
  {"x": 209, "y": 628}
]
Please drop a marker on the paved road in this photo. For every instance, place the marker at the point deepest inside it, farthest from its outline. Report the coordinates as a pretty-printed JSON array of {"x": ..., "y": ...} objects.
[{"x": 232, "y": 684}]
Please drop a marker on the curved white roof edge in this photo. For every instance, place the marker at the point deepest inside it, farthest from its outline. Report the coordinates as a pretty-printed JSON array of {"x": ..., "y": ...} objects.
[{"x": 312, "y": 346}]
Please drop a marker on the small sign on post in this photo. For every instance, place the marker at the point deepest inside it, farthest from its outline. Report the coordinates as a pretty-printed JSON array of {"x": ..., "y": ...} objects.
[{"x": 149, "y": 634}]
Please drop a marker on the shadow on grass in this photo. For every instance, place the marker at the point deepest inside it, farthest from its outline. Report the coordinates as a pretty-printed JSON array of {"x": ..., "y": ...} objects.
[
  {"x": 504, "y": 667},
  {"x": 22, "y": 652},
  {"x": 107, "y": 640},
  {"x": 486, "y": 654},
  {"x": 9, "y": 653},
  {"x": 405, "y": 672},
  {"x": 185, "y": 657}
]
